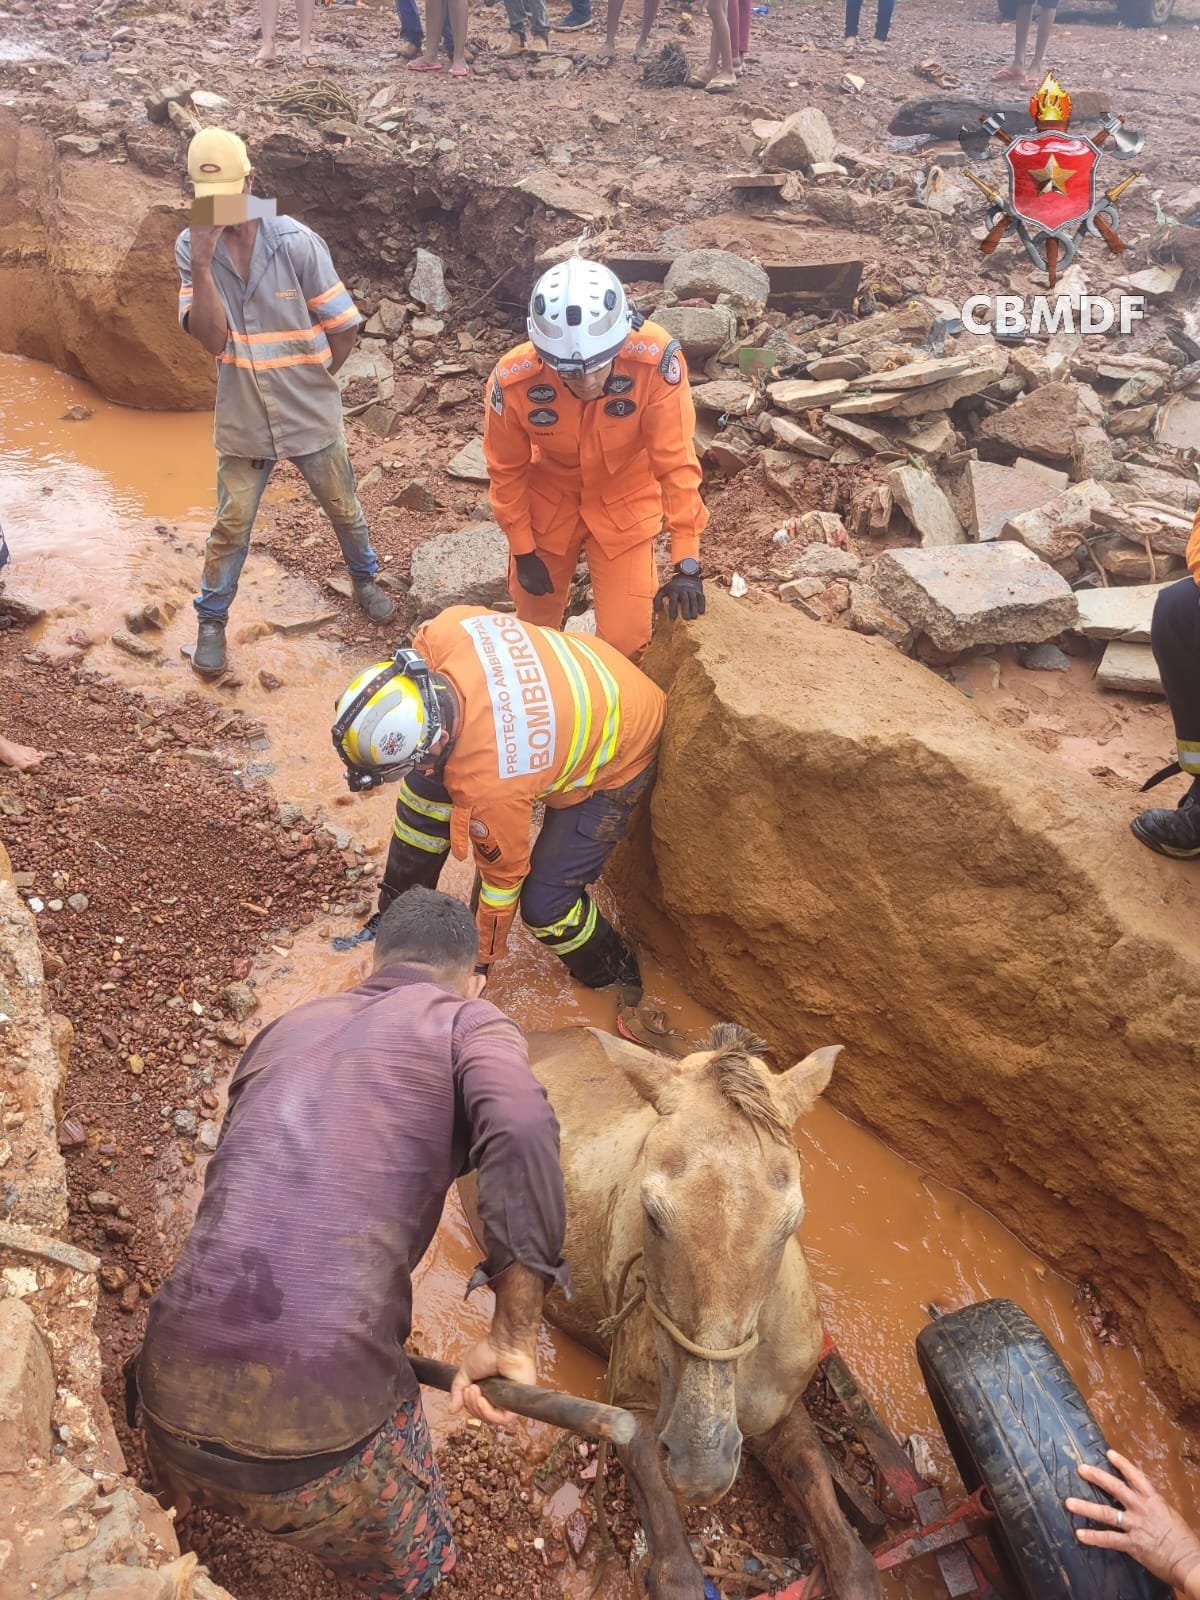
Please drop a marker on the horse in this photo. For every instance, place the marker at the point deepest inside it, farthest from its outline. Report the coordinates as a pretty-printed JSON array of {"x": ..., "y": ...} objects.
[{"x": 683, "y": 1205}]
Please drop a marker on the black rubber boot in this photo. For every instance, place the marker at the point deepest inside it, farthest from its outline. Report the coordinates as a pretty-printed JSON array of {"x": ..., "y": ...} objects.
[
  {"x": 1172, "y": 833},
  {"x": 371, "y": 599},
  {"x": 605, "y": 959},
  {"x": 208, "y": 658}
]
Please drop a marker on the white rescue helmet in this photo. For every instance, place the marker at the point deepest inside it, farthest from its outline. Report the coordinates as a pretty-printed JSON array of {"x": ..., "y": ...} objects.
[
  {"x": 578, "y": 317},
  {"x": 388, "y": 721}
]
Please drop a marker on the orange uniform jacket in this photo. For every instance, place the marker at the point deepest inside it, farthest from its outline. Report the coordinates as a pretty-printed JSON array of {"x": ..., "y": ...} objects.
[
  {"x": 544, "y": 716},
  {"x": 1193, "y": 548},
  {"x": 622, "y": 463}
]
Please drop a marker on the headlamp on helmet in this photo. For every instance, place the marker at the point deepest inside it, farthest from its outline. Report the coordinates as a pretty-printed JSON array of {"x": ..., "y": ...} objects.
[{"x": 388, "y": 721}]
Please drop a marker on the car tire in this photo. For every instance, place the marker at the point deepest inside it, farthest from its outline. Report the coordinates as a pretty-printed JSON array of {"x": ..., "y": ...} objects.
[
  {"x": 1018, "y": 1427},
  {"x": 1145, "y": 13}
]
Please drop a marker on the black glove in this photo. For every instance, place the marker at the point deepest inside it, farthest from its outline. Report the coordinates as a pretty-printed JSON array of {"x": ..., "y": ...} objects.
[
  {"x": 533, "y": 576},
  {"x": 682, "y": 596}
]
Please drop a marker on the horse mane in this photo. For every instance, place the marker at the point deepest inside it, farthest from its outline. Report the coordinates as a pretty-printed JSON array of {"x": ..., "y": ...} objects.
[{"x": 741, "y": 1081}]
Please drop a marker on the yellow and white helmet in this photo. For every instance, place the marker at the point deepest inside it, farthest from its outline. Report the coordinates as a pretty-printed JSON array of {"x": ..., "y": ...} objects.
[{"x": 388, "y": 720}]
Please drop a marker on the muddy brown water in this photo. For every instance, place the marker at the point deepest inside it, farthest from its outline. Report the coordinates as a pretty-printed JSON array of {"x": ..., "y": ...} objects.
[{"x": 80, "y": 503}]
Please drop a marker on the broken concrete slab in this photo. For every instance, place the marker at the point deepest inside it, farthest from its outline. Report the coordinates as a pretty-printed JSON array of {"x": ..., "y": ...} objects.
[
  {"x": 996, "y": 493},
  {"x": 932, "y": 437},
  {"x": 1041, "y": 424},
  {"x": 868, "y": 438},
  {"x": 799, "y": 395},
  {"x": 1055, "y": 529},
  {"x": 793, "y": 437},
  {"x": 836, "y": 366},
  {"x": 724, "y": 396},
  {"x": 26, "y": 1388},
  {"x": 428, "y": 283},
  {"x": 998, "y": 593},
  {"x": 1118, "y": 613},
  {"x": 294, "y": 628},
  {"x": 801, "y": 140},
  {"x": 869, "y": 615},
  {"x": 826, "y": 561},
  {"x": 916, "y": 374},
  {"x": 1154, "y": 282},
  {"x": 469, "y": 567},
  {"x": 1130, "y": 667},
  {"x": 706, "y": 274},
  {"x": 17, "y": 610},
  {"x": 469, "y": 463},
  {"x": 941, "y": 396},
  {"x": 1179, "y": 423},
  {"x": 866, "y": 405},
  {"x": 559, "y": 194},
  {"x": 701, "y": 330},
  {"x": 926, "y": 506}
]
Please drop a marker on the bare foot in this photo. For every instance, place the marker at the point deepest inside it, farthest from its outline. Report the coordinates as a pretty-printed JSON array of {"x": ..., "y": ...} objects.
[
  {"x": 19, "y": 756},
  {"x": 608, "y": 52},
  {"x": 1008, "y": 75},
  {"x": 641, "y": 50},
  {"x": 265, "y": 57}
]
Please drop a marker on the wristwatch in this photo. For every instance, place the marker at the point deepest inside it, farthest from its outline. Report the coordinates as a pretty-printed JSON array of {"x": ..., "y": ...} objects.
[{"x": 689, "y": 567}]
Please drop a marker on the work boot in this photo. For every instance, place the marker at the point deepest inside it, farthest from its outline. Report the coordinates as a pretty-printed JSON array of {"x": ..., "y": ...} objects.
[
  {"x": 208, "y": 658},
  {"x": 371, "y": 599},
  {"x": 1172, "y": 833},
  {"x": 539, "y": 45},
  {"x": 514, "y": 47}
]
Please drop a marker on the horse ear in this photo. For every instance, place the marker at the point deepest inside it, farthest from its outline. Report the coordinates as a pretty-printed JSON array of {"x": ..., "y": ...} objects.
[
  {"x": 654, "y": 1077},
  {"x": 797, "y": 1090}
]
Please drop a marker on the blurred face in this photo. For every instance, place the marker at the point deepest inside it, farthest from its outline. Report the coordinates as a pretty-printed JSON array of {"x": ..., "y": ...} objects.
[{"x": 590, "y": 387}]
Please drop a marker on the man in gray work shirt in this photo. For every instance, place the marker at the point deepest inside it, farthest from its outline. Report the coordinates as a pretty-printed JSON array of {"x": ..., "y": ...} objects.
[{"x": 263, "y": 296}]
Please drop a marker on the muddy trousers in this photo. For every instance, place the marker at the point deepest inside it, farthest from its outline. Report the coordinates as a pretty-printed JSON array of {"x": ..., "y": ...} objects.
[
  {"x": 240, "y": 485},
  {"x": 533, "y": 13},
  {"x": 883, "y": 18},
  {"x": 623, "y": 590},
  {"x": 1175, "y": 639},
  {"x": 569, "y": 855}
]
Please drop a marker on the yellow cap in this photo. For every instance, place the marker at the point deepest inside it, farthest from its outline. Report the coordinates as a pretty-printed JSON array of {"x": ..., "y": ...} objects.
[{"x": 217, "y": 162}]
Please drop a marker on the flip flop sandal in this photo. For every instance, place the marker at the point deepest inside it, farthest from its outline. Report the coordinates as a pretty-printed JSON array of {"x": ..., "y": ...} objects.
[
  {"x": 695, "y": 81},
  {"x": 720, "y": 86},
  {"x": 460, "y": 72},
  {"x": 421, "y": 65}
]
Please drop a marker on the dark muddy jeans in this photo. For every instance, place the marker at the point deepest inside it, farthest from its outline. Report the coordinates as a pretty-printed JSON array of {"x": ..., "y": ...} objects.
[
  {"x": 528, "y": 16},
  {"x": 240, "y": 485},
  {"x": 1175, "y": 638}
]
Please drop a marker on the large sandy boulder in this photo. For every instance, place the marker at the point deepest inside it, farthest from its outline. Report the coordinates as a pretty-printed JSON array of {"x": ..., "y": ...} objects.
[
  {"x": 87, "y": 274},
  {"x": 841, "y": 848}
]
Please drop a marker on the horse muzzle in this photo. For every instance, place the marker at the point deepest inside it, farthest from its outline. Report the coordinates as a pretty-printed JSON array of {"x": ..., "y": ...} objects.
[{"x": 700, "y": 1471}]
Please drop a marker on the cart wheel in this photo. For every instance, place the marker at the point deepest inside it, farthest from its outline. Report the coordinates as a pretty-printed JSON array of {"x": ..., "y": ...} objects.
[{"x": 1018, "y": 1427}]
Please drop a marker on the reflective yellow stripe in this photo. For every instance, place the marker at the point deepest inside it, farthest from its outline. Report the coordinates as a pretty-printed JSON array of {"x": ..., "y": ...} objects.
[
  {"x": 497, "y": 899},
  {"x": 606, "y": 749},
  {"x": 419, "y": 841},
  {"x": 582, "y": 700},
  {"x": 1189, "y": 755},
  {"x": 437, "y": 809},
  {"x": 559, "y": 935}
]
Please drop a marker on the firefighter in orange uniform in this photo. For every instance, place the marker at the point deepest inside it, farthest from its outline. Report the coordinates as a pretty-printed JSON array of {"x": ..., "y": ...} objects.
[
  {"x": 484, "y": 717},
  {"x": 588, "y": 438}
]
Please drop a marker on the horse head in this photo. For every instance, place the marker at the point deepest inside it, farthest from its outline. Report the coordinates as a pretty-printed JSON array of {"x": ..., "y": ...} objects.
[{"x": 720, "y": 1190}]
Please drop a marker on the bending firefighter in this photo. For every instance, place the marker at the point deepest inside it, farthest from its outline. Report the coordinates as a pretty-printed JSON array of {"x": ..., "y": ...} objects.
[
  {"x": 1175, "y": 637},
  {"x": 588, "y": 438},
  {"x": 483, "y": 718}
]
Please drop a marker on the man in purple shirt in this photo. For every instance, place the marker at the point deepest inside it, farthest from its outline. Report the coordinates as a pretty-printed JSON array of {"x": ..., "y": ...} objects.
[{"x": 273, "y": 1381}]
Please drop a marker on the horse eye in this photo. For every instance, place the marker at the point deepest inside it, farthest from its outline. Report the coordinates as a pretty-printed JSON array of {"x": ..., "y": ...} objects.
[{"x": 656, "y": 1226}]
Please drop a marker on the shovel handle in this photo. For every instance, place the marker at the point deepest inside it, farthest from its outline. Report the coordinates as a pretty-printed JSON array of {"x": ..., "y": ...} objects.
[{"x": 590, "y": 1418}]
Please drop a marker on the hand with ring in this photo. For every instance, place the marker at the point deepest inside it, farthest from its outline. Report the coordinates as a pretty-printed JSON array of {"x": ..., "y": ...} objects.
[{"x": 1141, "y": 1524}]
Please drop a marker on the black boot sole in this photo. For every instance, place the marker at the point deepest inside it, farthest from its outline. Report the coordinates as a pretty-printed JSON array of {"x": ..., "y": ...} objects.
[{"x": 1173, "y": 851}]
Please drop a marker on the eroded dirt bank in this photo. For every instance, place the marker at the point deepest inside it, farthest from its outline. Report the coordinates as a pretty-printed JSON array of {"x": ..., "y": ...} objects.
[{"x": 1016, "y": 980}]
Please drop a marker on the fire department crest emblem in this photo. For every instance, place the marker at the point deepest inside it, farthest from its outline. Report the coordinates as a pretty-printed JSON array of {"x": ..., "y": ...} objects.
[{"x": 1053, "y": 198}]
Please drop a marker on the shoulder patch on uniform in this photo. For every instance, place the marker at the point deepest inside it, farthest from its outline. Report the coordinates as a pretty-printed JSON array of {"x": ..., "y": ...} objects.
[
  {"x": 541, "y": 392},
  {"x": 517, "y": 364},
  {"x": 496, "y": 398},
  {"x": 543, "y": 417},
  {"x": 618, "y": 383},
  {"x": 671, "y": 366},
  {"x": 620, "y": 408}
]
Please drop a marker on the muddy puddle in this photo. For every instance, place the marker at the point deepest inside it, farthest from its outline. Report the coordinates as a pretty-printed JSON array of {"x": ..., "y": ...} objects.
[{"x": 104, "y": 513}]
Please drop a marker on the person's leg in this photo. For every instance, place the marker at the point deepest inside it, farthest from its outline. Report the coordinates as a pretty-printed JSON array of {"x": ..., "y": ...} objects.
[
  {"x": 853, "y": 13},
  {"x": 883, "y": 20},
  {"x": 1016, "y": 72},
  {"x": 1175, "y": 640},
  {"x": 612, "y": 22},
  {"x": 240, "y": 485},
  {"x": 435, "y": 21},
  {"x": 411, "y": 31},
  {"x": 570, "y": 853},
  {"x": 420, "y": 837},
  {"x": 268, "y": 17},
  {"x": 623, "y": 590},
  {"x": 539, "y": 21},
  {"x": 330, "y": 476},
  {"x": 719, "y": 72},
  {"x": 741, "y": 45},
  {"x": 515, "y": 11},
  {"x": 458, "y": 42},
  {"x": 1045, "y": 28},
  {"x": 304, "y": 15}
]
